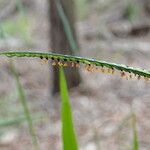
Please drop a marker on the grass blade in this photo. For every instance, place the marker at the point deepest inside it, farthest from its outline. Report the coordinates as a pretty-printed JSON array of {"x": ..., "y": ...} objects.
[
  {"x": 11, "y": 121},
  {"x": 67, "y": 27},
  {"x": 135, "y": 142},
  {"x": 25, "y": 108},
  {"x": 68, "y": 132},
  {"x": 16, "y": 121},
  {"x": 20, "y": 7}
]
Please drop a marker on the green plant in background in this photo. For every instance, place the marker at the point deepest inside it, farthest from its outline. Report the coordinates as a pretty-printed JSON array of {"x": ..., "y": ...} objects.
[
  {"x": 20, "y": 7},
  {"x": 132, "y": 11},
  {"x": 67, "y": 27},
  {"x": 25, "y": 108},
  {"x": 135, "y": 142},
  {"x": 2, "y": 34},
  {"x": 18, "y": 27},
  {"x": 68, "y": 133},
  {"x": 12, "y": 121},
  {"x": 82, "y": 7},
  {"x": 8, "y": 111}
]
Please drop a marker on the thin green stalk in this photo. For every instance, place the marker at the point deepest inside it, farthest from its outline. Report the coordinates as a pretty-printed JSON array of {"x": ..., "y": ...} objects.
[
  {"x": 132, "y": 10},
  {"x": 15, "y": 121},
  {"x": 26, "y": 109},
  {"x": 67, "y": 27},
  {"x": 23, "y": 22},
  {"x": 20, "y": 7},
  {"x": 68, "y": 131},
  {"x": 135, "y": 142},
  {"x": 12, "y": 121},
  {"x": 76, "y": 59},
  {"x": 2, "y": 34},
  {"x": 124, "y": 122}
]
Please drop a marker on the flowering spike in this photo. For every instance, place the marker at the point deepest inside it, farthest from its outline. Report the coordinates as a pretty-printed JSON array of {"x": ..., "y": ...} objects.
[{"x": 90, "y": 64}]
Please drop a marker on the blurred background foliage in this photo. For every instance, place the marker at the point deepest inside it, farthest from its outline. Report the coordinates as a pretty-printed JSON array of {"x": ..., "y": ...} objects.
[{"x": 111, "y": 30}]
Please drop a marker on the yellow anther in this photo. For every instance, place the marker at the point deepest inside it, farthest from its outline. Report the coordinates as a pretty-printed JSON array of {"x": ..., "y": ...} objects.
[
  {"x": 43, "y": 62},
  {"x": 65, "y": 65},
  {"x": 77, "y": 65},
  {"x": 72, "y": 64},
  {"x": 60, "y": 63},
  {"x": 54, "y": 64},
  {"x": 123, "y": 74}
]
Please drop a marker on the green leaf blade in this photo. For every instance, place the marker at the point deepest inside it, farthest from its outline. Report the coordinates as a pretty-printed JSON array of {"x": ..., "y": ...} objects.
[
  {"x": 135, "y": 142},
  {"x": 68, "y": 132},
  {"x": 25, "y": 106}
]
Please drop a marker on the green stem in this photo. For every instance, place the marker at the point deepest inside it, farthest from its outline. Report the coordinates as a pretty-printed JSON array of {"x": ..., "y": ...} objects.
[
  {"x": 25, "y": 107},
  {"x": 67, "y": 26}
]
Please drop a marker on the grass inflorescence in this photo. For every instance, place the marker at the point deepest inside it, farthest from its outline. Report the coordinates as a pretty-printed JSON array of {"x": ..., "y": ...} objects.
[{"x": 91, "y": 65}]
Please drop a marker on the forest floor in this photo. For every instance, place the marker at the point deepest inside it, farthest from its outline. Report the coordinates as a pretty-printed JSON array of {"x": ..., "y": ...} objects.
[{"x": 103, "y": 104}]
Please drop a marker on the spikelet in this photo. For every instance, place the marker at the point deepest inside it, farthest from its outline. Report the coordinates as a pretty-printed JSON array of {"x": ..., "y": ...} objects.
[
  {"x": 77, "y": 65},
  {"x": 72, "y": 64},
  {"x": 60, "y": 63},
  {"x": 54, "y": 63},
  {"x": 123, "y": 74},
  {"x": 95, "y": 68},
  {"x": 43, "y": 62},
  {"x": 65, "y": 64},
  {"x": 113, "y": 71},
  {"x": 87, "y": 67},
  {"x": 130, "y": 76},
  {"x": 110, "y": 70},
  {"x": 91, "y": 67}
]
